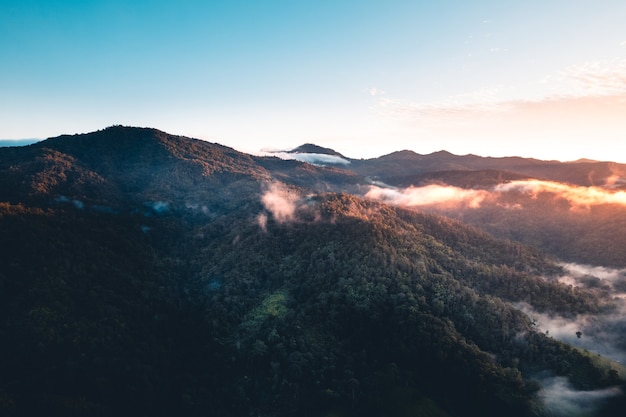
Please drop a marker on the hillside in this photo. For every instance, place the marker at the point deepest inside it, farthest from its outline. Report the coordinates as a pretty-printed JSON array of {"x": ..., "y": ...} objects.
[
  {"x": 150, "y": 274},
  {"x": 572, "y": 210},
  {"x": 405, "y": 164}
]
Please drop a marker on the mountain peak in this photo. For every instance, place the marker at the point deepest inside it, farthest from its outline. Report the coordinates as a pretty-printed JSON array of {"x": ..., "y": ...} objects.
[
  {"x": 312, "y": 148},
  {"x": 442, "y": 153}
]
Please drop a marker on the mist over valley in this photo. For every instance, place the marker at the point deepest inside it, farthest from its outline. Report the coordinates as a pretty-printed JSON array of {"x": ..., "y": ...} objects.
[{"x": 153, "y": 274}]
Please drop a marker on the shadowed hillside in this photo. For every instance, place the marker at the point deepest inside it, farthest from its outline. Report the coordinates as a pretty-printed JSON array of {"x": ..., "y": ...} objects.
[{"x": 150, "y": 274}]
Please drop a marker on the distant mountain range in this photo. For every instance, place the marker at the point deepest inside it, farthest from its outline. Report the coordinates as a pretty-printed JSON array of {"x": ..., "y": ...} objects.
[
  {"x": 17, "y": 142},
  {"x": 405, "y": 166},
  {"x": 592, "y": 236},
  {"x": 145, "y": 273}
]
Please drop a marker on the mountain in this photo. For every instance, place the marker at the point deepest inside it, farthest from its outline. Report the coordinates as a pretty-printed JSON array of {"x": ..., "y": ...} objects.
[
  {"x": 150, "y": 274},
  {"x": 404, "y": 164},
  {"x": 312, "y": 148},
  {"x": 572, "y": 210},
  {"x": 120, "y": 166},
  {"x": 313, "y": 154},
  {"x": 468, "y": 179},
  {"x": 16, "y": 142},
  {"x": 406, "y": 167}
]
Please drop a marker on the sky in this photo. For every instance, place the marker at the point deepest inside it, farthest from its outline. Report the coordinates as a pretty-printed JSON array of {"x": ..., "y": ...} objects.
[{"x": 539, "y": 78}]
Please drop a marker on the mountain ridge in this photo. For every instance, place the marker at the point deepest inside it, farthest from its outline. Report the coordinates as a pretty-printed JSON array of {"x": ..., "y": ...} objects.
[
  {"x": 140, "y": 265},
  {"x": 407, "y": 163},
  {"x": 402, "y": 165},
  {"x": 312, "y": 148}
]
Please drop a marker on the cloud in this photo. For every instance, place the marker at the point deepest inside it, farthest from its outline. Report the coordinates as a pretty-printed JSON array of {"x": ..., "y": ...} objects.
[
  {"x": 312, "y": 158},
  {"x": 594, "y": 78},
  {"x": 280, "y": 202},
  {"x": 76, "y": 203},
  {"x": 606, "y": 274},
  {"x": 428, "y": 195},
  {"x": 375, "y": 92},
  {"x": 577, "y": 87},
  {"x": 287, "y": 205},
  {"x": 262, "y": 221},
  {"x": 158, "y": 207},
  {"x": 460, "y": 107},
  {"x": 448, "y": 196},
  {"x": 561, "y": 399},
  {"x": 603, "y": 333},
  {"x": 575, "y": 195}
]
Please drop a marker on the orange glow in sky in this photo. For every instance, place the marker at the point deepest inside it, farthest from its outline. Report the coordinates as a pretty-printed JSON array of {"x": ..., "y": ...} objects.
[{"x": 364, "y": 77}]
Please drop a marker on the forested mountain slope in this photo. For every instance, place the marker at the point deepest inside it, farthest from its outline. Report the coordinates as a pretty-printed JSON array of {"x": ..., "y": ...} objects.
[
  {"x": 147, "y": 274},
  {"x": 404, "y": 164}
]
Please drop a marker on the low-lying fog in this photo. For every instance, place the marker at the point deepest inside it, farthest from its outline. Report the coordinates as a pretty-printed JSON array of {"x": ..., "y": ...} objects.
[{"x": 603, "y": 333}]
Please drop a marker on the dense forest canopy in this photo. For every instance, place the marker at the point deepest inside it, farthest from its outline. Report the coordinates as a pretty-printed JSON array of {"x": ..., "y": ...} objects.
[{"x": 150, "y": 274}]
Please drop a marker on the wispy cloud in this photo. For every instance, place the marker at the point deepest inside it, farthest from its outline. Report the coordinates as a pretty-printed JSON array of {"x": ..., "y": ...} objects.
[
  {"x": 374, "y": 92},
  {"x": 280, "y": 202},
  {"x": 594, "y": 78},
  {"x": 428, "y": 195},
  {"x": 262, "y": 221},
  {"x": 467, "y": 106},
  {"x": 286, "y": 206},
  {"x": 607, "y": 274},
  {"x": 602, "y": 333},
  {"x": 576, "y": 196},
  {"x": 311, "y": 158},
  {"x": 561, "y": 399},
  {"x": 589, "y": 80}
]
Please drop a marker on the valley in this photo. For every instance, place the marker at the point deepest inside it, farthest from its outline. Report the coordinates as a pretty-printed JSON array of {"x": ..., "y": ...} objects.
[{"x": 145, "y": 273}]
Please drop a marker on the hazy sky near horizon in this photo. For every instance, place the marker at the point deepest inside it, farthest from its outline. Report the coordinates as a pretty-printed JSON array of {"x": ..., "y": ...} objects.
[{"x": 544, "y": 79}]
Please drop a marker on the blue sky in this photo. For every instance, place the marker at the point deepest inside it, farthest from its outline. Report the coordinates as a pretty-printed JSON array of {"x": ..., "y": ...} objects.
[{"x": 536, "y": 78}]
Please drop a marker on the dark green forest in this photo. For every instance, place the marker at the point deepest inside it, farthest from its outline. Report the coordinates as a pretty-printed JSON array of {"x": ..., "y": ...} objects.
[{"x": 143, "y": 274}]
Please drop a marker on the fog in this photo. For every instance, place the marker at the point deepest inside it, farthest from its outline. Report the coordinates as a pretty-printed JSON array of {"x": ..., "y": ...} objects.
[
  {"x": 575, "y": 195},
  {"x": 280, "y": 202},
  {"x": 159, "y": 207},
  {"x": 428, "y": 195},
  {"x": 560, "y": 399},
  {"x": 76, "y": 203},
  {"x": 437, "y": 194},
  {"x": 311, "y": 158},
  {"x": 602, "y": 333}
]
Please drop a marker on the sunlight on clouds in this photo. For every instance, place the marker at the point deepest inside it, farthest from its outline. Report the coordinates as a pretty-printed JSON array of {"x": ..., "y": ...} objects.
[
  {"x": 279, "y": 201},
  {"x": 438, "y": 114},
  {"x": 433, "y": 194},
  {"x": 582, "y": 101},
  {"x": 602, "y": 333},
  {"x": 560, "y": 398},
  {"x": 311, "y": 158},
  {"x": 594, "y": 78},
  {"x": 428, "y": 195},
  {"x": 375, "y": 92},
  {"x": 484, "y": 101},
  {"x": 577, "y": 195}
]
